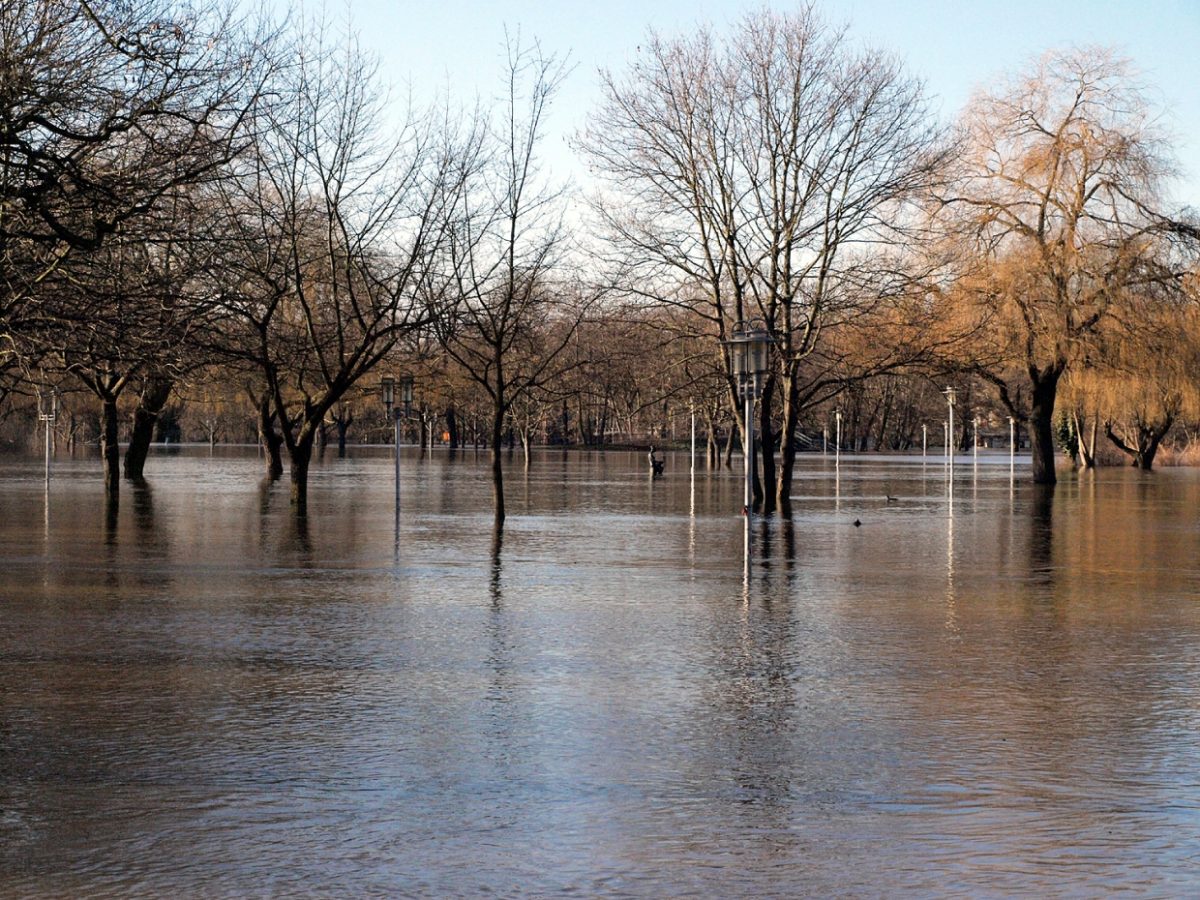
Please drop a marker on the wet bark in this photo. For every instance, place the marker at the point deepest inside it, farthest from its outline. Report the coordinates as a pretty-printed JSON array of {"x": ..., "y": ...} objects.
[
  {"x": 497, "y": 466},
  {"x": 301, "y": 460},
  {"x": 1041, "y": 422},
  {"x": 1145, "y": 444},
  {"x": 764, "y": 494},
  {"x": 271, "y": 439},
  {"x": 787, "y": 461},
  {"x": 153, "y": 399},
  {"x": 110, "y": 451}
]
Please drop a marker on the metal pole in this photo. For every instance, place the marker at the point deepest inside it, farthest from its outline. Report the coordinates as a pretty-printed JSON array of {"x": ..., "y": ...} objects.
[
  {"x": 975, "y": 449},
  {"x": 1012, "y": 439},
  {"x": 749, "y": 491},
  {"x": 950, "y": 445},
  {"x": 48, "y": 421},
  {"x": 825, "y": 441},
  {"x": 924, "y": 438},
  {"x": 837, "y": 441},
  {"x": 396, "y": 420}
]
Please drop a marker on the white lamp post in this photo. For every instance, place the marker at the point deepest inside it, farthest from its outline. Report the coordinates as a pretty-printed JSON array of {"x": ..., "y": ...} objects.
[
  {"x": 924, "y": 438},
  {"x": 749, "y": 346},
  {"x": 975, "y": 449}
]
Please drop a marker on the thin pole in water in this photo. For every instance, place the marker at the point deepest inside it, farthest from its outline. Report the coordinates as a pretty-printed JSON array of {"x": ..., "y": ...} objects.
[{"x": 396, "y": 420}]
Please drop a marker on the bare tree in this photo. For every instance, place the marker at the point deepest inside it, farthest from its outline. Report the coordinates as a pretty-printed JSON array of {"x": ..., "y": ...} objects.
[
  {"x": 334, "y": 218},
  {"x": 105, "y": 109},
  {"x": 756, "y": 178},
  {"x": 513, "y": 312}
]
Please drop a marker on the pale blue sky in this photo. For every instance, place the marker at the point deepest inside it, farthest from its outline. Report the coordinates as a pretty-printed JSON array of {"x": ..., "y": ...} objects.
[{"x": 953, "y": 46}]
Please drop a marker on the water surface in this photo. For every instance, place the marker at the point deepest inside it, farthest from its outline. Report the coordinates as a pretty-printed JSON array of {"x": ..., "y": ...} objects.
[{"x": 982, "y": 688}]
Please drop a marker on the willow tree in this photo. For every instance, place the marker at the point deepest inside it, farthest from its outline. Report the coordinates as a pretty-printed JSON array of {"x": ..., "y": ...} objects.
[
  {"x": 756, "y": 176},
  {"x": 1057, "y": 200}
]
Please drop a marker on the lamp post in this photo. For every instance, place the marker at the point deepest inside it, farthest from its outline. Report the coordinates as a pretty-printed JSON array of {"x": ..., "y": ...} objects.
[
  {"x": 1012, "y": 440},
  {"x": 975, "y": 449},
  {"x": 49, "y": 415},
  {"x": 949, "y": 392},
  {"x": 749, "y": 345},
  {"x": 397, "y": 412},
  {"x": 924, "y": 438}
]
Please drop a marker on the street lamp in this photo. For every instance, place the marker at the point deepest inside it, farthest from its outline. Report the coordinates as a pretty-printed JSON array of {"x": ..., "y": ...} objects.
[
  {"x": 949, "y": 392},
  {"x": 387, "y": 390},
  {"x": 749, "y": 347},
  {"x": 48, "y": 414},
  {"x": 397, "y": 412},
  {"x": 924, "y": 438},
  {"x": 975, "y": 449},
  {"x": 1012, "y": 440}
]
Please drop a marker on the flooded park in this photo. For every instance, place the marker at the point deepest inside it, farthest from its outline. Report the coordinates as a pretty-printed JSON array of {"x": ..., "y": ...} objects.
[{"x": 983, "y": 687}]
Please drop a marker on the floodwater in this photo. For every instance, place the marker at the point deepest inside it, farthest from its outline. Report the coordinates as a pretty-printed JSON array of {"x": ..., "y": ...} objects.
[{"x": 981, "y": 689}]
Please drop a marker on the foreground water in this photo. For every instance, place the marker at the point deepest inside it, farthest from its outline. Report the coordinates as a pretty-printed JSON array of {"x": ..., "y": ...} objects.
[{"x": 983, "y": 688}]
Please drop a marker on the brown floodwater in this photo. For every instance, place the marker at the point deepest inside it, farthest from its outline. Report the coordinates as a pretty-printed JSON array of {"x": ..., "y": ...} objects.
[{"x": 982, "y": 689}]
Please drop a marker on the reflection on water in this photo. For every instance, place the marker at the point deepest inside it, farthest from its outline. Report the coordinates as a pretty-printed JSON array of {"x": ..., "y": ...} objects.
[{"x": 983, "y": 688}]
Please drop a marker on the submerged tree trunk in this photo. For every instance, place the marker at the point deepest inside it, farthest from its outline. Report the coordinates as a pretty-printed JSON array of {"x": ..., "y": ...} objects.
[
  {"x": 301, "y": 459},
  {"x": 765, "y": 495},
  {"x": 497, "y": 467},
  {"x": 1143, "y": 446},
  {"x": 342, "y": 423},
  {"x": 1041, "y": 423},
  {"x": 1087, "y": 448},
  {"x": 272, "y": 440},
  {"x": 153, "y": 399},
  {"x": 110, "y": 451},
  {"x": 787, "y": 443}
]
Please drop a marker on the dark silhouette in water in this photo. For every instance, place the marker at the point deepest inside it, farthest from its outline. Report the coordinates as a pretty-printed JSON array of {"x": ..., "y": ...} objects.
[{"x": 656, "y": 465}]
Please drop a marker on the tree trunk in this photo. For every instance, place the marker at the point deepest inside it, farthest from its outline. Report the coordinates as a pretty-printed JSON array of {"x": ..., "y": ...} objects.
[
  {"x": 787, "y": 444},
  {"x": 110, "y": 451},
  {"x": 343, "y": 425},
  {"x": 1087, "y": 451},
  {"x": 1041, "y": 424},
  {"x": 301, "y": 459},
  {"x": 272, "y": 440},
  {"x": 451, "y": 429},
  {"x": 154, "y": 398},
  {"x": 765, "y": 495},
  {"x": 497, "y": 467}
]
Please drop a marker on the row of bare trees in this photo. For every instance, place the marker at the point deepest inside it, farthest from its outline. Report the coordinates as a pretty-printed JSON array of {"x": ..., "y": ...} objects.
[{"x": 193, "y": 201}]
